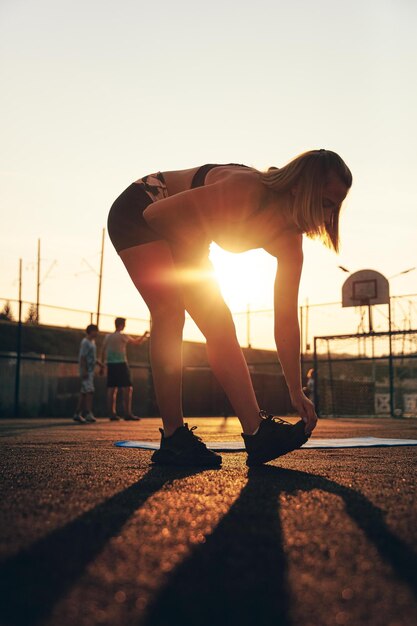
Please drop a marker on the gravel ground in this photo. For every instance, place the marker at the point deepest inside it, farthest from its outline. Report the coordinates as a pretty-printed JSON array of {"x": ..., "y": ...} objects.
[{"x": 93, "y": 534}]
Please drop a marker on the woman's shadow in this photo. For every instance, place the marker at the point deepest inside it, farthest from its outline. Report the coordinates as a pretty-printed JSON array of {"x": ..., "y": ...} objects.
[
  {"x": 239, "y": 575},
  {"x": 35, "y": 579}
]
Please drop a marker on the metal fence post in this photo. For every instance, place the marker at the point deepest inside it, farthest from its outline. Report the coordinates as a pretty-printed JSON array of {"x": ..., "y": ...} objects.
[
  {"x": 391, "y": 364},
  {"x": 18, "y": 347},
  {"x": 316, "y": 378}
]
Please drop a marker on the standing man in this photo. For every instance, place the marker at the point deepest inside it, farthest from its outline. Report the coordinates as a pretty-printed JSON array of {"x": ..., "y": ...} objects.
[
  {"x": 87, "y": 361},
  {"x": 118, "y": 375}
]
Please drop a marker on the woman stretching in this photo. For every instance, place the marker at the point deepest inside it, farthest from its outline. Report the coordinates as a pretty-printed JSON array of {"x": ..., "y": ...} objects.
[{"x": 162, "y": 226}]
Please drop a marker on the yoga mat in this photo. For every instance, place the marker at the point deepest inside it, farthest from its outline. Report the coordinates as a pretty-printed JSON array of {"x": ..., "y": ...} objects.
[{"x": 324, "y": 444}]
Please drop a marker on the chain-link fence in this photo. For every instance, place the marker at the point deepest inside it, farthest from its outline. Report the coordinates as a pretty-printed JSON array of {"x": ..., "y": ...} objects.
[
  {"x": 366, "y": 374},
  {"x": 48, "y": 386},
  {"x": 357, "y": 374}
]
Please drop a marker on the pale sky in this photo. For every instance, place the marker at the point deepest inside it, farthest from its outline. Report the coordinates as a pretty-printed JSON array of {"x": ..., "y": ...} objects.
[{"x": 96, "y": 94}]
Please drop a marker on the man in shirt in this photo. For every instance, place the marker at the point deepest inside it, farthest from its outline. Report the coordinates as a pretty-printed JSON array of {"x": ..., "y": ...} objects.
[{"x": 118, "y": 374}]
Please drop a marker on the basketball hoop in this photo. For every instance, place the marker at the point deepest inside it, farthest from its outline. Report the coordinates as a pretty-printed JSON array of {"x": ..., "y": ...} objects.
[{"x": 365, "y": 288}]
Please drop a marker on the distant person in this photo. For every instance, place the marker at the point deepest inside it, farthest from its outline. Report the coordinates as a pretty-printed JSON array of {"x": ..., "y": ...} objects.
[
  {"x": 118, "y": 374},
  {"x": 87, "y": 361},
  {"x": 162, "y": 226},
  {"x": 309, "y": 388}
]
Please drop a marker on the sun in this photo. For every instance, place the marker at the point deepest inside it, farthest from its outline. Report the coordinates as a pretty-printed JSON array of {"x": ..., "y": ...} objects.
[{"x": 245, "y": 279}]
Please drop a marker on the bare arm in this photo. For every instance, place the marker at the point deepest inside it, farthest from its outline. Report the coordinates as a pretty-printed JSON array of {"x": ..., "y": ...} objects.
[
  {"x": 188, "y": 218},
  {"x": 287, "y": 330},
  {"x": 139, "y": 340}
]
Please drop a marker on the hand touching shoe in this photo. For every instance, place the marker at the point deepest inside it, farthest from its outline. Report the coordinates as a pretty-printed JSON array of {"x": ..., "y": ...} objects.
[{"x": 305, "y": 408}]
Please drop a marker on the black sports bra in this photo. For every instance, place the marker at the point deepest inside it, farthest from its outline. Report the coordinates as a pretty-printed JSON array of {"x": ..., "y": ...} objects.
[{"x": 200, "y": 175}]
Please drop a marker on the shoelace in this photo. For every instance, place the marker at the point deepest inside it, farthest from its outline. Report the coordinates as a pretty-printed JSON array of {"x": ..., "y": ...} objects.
[
  {"x": 195, "y": 438},
  {"x": 264, "y": 415}
]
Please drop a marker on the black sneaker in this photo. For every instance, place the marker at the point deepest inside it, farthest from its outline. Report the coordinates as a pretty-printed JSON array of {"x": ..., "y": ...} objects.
[
  {"x": 78, "y": 417},
  {"x": 132, "y": 418},
  {"x": 185, "y": 448},
  {"x": 274, "y": 438}
]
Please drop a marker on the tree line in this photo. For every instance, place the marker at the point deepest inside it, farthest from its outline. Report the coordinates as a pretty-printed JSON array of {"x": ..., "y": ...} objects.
[{"x": 32, "y": 317}]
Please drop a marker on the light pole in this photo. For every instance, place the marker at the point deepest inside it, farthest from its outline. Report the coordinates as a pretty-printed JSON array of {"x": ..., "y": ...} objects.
[
  {"x": 410, "y": 269},
  {"x": 100, "y": 276}
]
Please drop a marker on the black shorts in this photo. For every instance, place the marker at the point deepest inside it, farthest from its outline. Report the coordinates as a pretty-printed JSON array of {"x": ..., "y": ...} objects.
[
  {"x": 118, "y": 375},
  {"x": 126, "y": 225}
]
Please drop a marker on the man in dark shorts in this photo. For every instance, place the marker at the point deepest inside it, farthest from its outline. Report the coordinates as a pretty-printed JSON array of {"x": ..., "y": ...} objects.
[{"x": 118, "y": 375}]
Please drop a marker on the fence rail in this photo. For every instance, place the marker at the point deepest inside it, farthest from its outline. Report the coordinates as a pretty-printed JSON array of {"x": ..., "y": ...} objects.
[{"x": 255, "y": 328}]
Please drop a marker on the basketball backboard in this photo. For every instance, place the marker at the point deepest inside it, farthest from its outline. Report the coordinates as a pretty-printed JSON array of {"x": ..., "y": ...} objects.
[{"x": 365, "y": 288}]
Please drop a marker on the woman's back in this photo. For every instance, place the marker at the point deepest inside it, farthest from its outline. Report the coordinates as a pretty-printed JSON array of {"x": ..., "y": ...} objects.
[{"x": 178, "y": 181}]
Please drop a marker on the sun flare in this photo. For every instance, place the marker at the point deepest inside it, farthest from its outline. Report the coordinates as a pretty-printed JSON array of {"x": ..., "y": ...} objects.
[{"x": 245, "y": 279}]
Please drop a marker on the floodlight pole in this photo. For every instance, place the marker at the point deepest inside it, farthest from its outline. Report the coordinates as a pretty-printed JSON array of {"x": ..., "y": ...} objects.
[
  {"x": 371, "y": 328},
  {"x": 100, "y": 277}
]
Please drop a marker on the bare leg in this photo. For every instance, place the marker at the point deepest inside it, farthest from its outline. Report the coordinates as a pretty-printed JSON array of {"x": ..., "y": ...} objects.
[
  {"x": 89, "y": 402},
  {"x": 79, "y": 403},
  {"x": 111, "y": 400},
  {"x": 209, "y": 311},
  {"x": 152, "y": 270},
  {"x": 166, "y": 292},
  {"x": 127, "y": 400},
  {"x": 229, "y": 366},
  {"x": 83, "y": 403}
]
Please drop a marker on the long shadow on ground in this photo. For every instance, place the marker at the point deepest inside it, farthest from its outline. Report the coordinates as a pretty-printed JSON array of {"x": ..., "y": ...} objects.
[
  {"x": 239, "y": 575},
  {"x": 33, "y": 581}
]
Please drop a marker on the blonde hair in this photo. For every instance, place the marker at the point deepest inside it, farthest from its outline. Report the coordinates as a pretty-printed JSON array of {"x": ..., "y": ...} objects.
[{"x": 306, "y": 175}]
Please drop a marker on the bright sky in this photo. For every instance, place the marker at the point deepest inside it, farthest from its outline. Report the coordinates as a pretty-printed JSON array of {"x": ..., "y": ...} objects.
[{"x": 96, "y": 94}]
